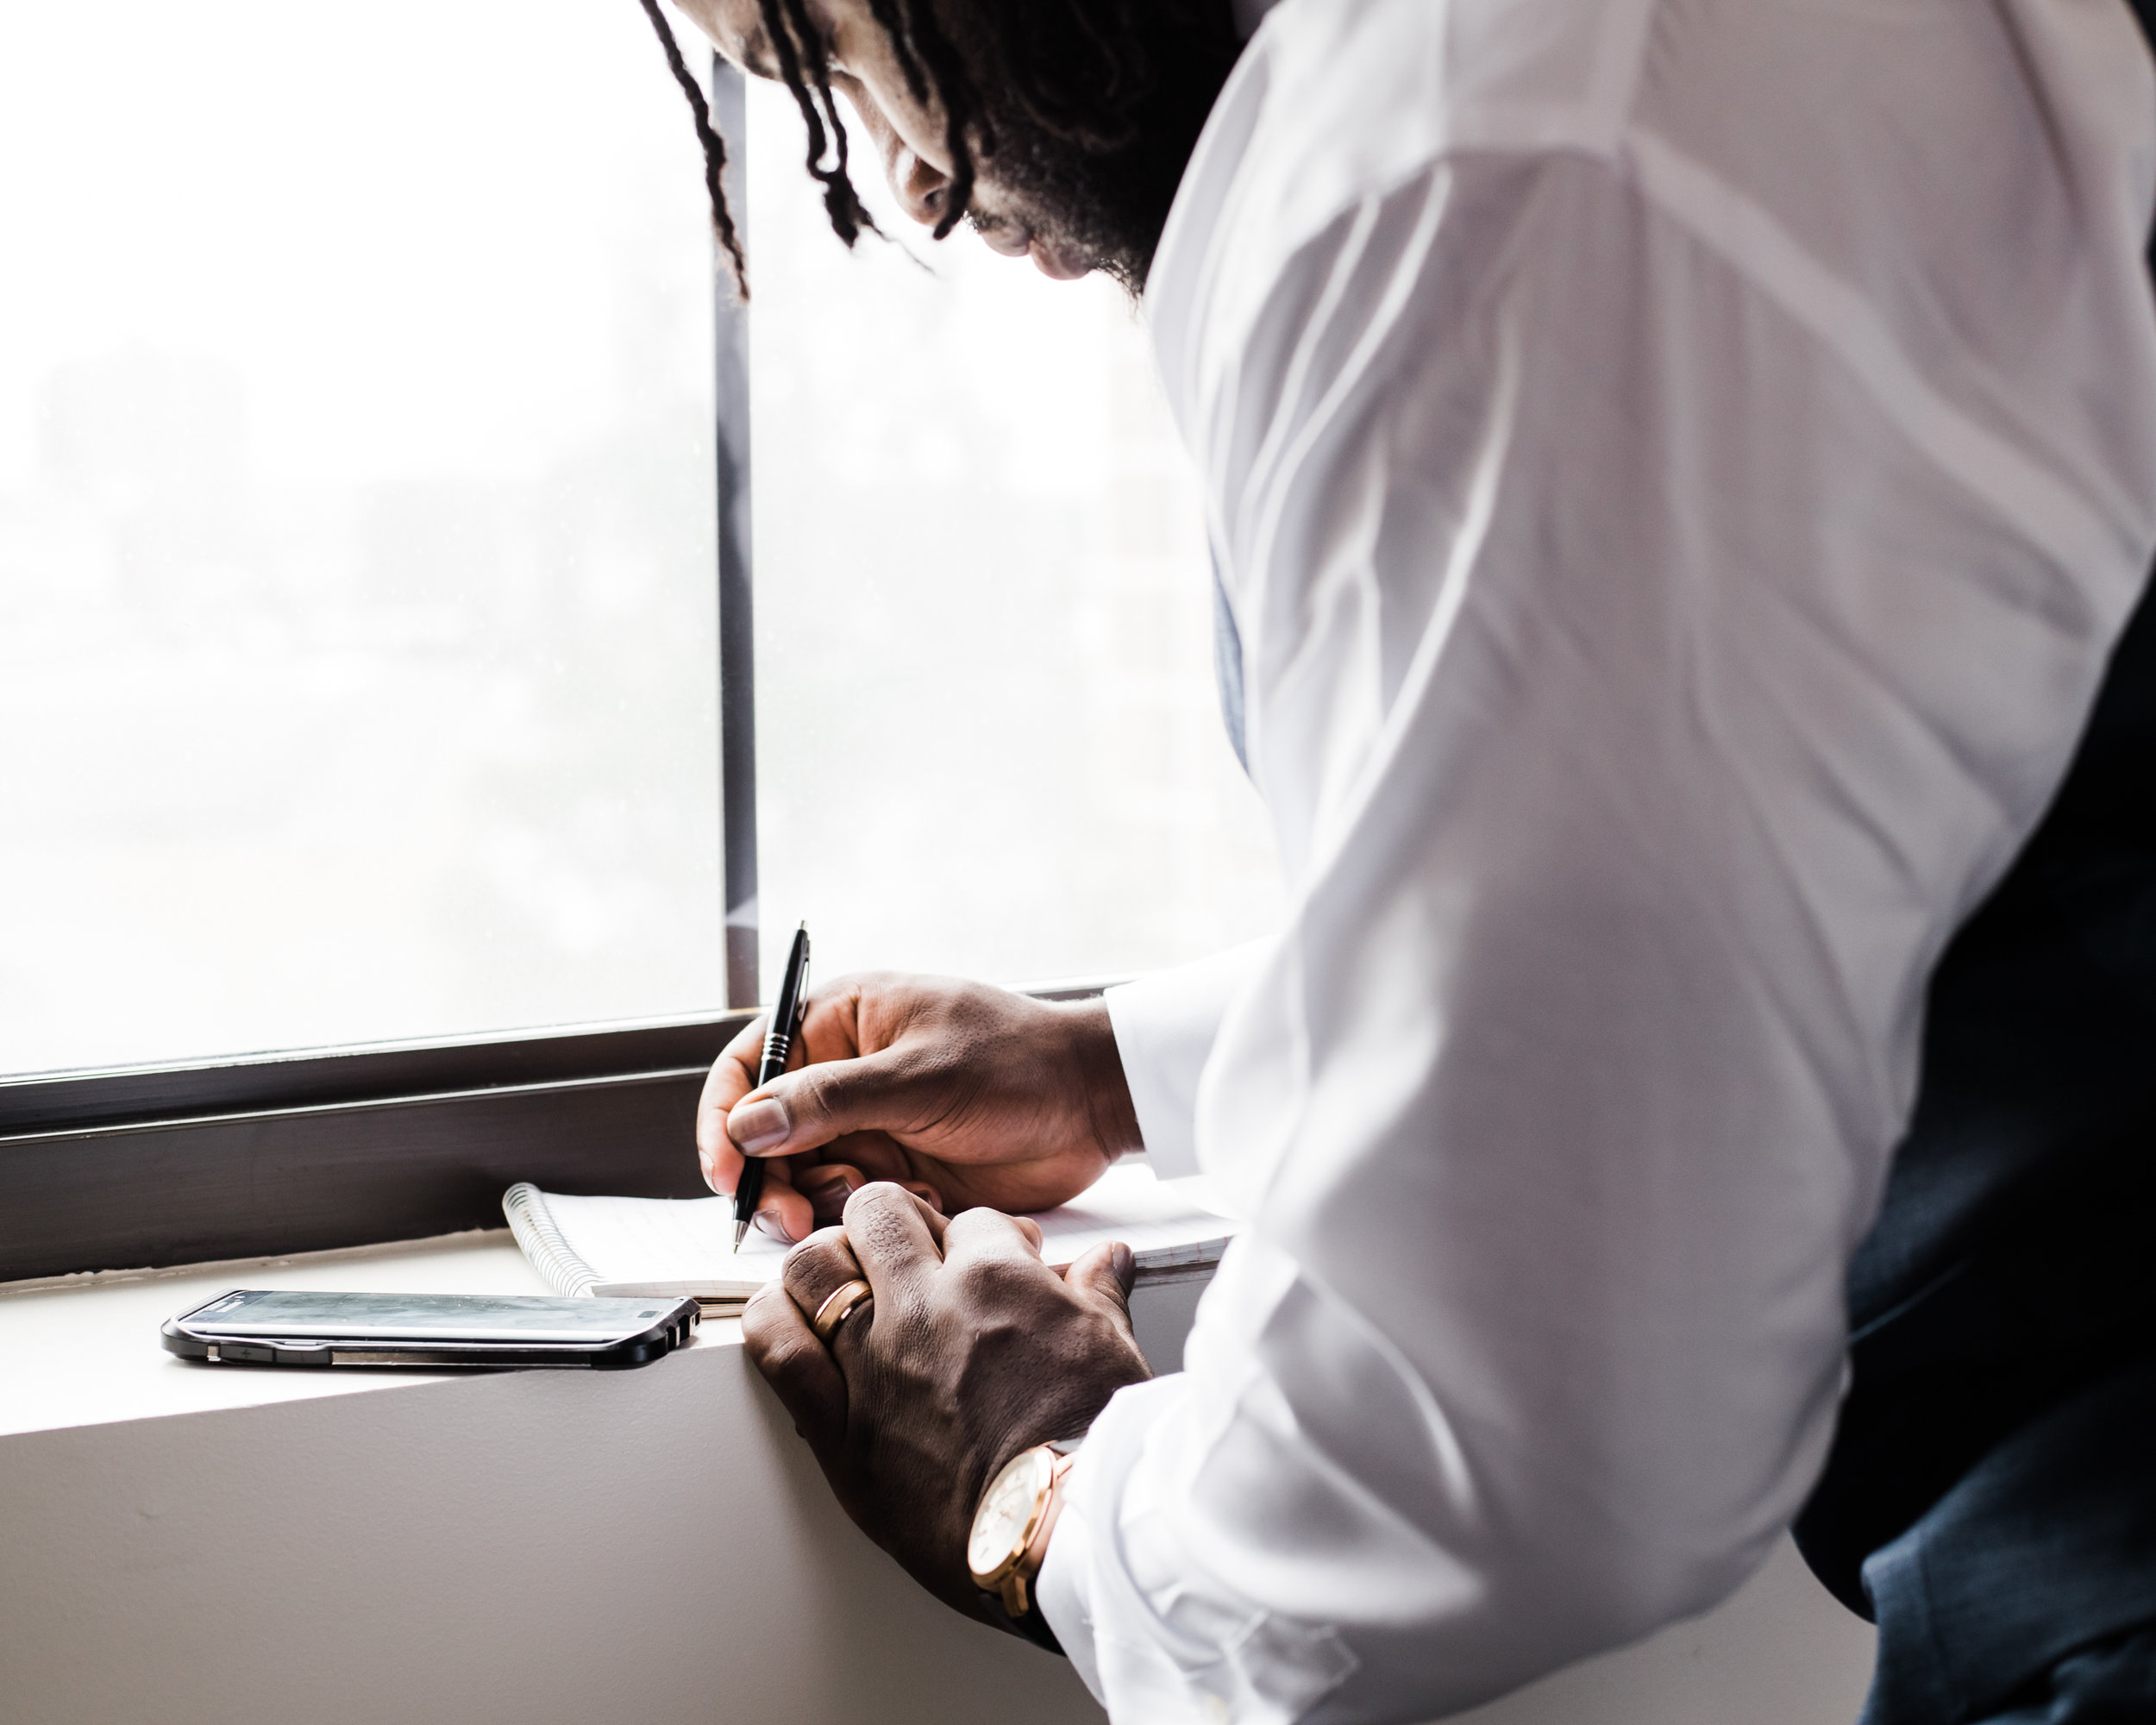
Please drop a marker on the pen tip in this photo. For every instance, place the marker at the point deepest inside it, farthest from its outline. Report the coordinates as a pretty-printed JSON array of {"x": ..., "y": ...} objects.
[{"x": 741, "y": 1232}]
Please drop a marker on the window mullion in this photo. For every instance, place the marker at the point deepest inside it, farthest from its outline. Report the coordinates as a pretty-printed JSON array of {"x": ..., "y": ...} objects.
[{"x": 737, "y": 620}]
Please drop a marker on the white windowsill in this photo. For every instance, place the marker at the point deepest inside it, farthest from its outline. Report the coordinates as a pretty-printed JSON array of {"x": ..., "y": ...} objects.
[
  {"x": 539, "y": 1546},
  {"x": 85, "y": 1351}
]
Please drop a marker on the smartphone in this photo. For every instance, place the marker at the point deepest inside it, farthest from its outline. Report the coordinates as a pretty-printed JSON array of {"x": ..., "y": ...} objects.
[{"x": 286, "y": 1326}]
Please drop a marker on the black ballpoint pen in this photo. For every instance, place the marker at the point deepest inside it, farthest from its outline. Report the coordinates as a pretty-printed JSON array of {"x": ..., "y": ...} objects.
[{"x": 778, "y": 1041}]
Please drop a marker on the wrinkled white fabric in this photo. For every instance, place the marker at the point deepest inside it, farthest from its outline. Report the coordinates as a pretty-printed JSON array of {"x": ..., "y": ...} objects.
[
  {"x": 1678, "y": 468},
  {"x": 1164, "y": 1025}
]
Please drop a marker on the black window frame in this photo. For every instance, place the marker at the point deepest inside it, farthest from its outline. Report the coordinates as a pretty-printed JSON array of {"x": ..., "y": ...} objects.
[{"x": 262, "y": 1155}]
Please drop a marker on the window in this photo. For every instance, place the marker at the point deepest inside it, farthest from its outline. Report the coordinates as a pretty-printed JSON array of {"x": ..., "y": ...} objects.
[
  {"x": 356, "y": 522},
  {"x": 360, "y": 637},
  {"x": 987, "y": 734}
]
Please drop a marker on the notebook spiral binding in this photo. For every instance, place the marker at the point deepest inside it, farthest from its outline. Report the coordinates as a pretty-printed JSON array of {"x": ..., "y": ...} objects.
[{"x": 534, "y": 1225}]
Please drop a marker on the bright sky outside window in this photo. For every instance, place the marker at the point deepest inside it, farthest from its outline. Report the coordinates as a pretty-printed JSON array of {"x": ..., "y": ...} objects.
[
  {"x": 357, "y": 653},
  {"x": 987, "y": 734},
  {"x": 356, "y": 665}
]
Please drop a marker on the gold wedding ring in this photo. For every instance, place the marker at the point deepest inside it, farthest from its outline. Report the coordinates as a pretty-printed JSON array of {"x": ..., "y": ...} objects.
[{"x": 840, "y": 1301}]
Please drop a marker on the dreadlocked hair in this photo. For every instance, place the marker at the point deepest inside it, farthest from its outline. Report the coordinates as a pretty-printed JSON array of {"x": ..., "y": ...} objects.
[
  {"x": 806, "y": 68},
  {"x": 714, "y": 149},
  {"x": 1125, "y": 84}
]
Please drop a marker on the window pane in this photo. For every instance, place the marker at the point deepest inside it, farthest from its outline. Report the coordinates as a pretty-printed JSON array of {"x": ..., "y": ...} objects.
[
  {"x": 357, "y": 662},
  {"x": 987, "y": 733}
]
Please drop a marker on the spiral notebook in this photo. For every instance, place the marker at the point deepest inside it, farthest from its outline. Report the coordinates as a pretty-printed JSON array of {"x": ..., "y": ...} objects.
[{"x": 640, "y": 1248}]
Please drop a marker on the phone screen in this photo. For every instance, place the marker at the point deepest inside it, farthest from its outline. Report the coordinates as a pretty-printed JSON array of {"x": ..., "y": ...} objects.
[{"x": 463, "y": 1317}]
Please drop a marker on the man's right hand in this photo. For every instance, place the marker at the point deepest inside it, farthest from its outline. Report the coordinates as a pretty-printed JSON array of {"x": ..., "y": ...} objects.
[{"x": 964, "y": 1093}]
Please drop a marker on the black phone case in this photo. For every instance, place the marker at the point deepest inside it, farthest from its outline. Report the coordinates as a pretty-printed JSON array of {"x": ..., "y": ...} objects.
[{"x": 672, "y": 1330}]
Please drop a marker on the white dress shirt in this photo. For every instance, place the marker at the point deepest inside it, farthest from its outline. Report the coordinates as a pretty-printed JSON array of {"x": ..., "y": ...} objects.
[{"x": 1678, "y": 468}]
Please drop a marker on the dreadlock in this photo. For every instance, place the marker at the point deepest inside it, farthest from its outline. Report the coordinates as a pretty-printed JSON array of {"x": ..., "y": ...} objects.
[
  {"x": 1107, "y": 77},
  {"x": 714, "y": 149},
  {"x": 806, "y": 69}
]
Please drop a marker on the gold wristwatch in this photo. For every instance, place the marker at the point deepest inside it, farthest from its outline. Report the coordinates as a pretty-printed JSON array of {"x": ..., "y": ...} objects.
[{"x": 1009, "y": 1539}]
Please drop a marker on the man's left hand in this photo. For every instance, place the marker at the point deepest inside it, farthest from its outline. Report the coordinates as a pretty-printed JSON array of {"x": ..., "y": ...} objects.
[{"x": 972, "y": 1350}]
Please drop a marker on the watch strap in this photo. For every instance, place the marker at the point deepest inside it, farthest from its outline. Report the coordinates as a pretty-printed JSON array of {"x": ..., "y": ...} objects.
[{"x": 1031, "y": 1625}]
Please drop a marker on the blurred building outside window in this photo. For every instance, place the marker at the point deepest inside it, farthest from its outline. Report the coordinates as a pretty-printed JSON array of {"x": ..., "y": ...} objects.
[{"x": 357, "y": 645}]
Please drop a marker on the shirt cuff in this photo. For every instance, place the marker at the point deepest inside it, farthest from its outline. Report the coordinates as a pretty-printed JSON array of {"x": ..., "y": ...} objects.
[
  {"x": 1062, "y": 1591},
  {"x": 1059, "y": 1593},
  {"x": 1164, "y": 1026}
]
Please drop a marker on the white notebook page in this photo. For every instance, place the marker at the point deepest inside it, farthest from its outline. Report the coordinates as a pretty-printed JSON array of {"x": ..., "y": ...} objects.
[{"x": 660, "y": 1245}]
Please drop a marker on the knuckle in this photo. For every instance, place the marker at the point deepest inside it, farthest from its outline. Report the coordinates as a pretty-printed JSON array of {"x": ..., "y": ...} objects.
[
  {"x": 875, "y": 1203},
  {"x": 787, "y": 1359},
  {"x": 817, "y": 1264},
  {"x": 883, "y": 1217},
  {"x": 996, "y": 1281},
  {"x": 765, "y": 1306},
  {"x": 759, "y": 1333},
  {"x": 816, "y": 1092},
  {"x": 767, "y": 1329},
  {"x": 979, "y": 1223}
]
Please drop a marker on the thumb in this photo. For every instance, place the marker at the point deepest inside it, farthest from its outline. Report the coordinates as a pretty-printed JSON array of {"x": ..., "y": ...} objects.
[
  {"x": 807, "y": 1108},
  {"x": 1102, "y": 1279}
]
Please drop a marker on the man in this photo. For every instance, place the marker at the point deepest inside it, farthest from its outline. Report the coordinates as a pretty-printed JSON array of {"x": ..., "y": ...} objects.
[{"x": 1680, "y": 472}]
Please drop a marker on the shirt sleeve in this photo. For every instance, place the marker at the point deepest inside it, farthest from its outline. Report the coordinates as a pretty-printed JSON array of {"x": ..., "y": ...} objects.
[
  {"x": 1164, "y": 1025},
  {"x": 1629, "y": 774}
]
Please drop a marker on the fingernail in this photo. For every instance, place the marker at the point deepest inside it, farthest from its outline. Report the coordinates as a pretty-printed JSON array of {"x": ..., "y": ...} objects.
[
  {"x": 1126, "y": 1265},
  {"x": 760, "y": 1125},
  {"x": 704, "y": 1163}
]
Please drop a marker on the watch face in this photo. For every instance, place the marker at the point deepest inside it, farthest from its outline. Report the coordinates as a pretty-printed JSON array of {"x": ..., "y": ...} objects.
[{"x": 1006, "y": 1516}]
